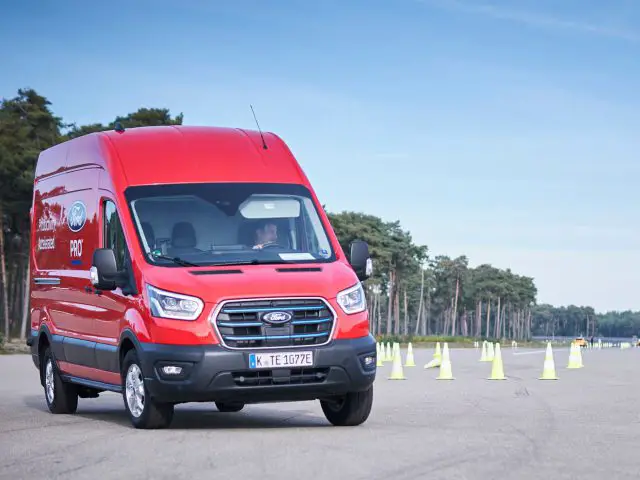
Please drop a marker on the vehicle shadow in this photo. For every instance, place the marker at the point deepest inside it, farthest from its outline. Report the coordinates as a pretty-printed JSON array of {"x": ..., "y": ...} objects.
[{"x": 201, "y": 416}]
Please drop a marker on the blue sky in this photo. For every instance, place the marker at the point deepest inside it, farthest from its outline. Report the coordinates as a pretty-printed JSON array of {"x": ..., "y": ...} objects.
[{"x": 508, "y": 129}]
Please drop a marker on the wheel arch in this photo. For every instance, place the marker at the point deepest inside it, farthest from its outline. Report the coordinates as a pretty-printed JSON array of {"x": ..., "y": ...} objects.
[
  {"x": 44, "y": 340},
  {"x": 128, "y": 341}
]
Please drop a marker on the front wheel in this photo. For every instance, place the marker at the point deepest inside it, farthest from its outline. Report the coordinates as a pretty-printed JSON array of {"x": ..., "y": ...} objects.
[
  {"x": 143, "y": 411},
  {"x": 62, "y": 397},
  {"x": 349, "y": 410}
]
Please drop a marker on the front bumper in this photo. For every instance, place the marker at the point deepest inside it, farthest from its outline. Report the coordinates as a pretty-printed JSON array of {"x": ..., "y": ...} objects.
[{"x": 215, "y": 373}]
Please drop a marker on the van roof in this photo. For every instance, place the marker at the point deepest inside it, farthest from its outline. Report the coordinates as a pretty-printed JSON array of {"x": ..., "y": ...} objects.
[{"x": 178, "y": 154}]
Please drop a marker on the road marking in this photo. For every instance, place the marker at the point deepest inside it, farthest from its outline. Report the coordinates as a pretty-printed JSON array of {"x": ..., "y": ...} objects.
[{"x": 529, "y": 353}]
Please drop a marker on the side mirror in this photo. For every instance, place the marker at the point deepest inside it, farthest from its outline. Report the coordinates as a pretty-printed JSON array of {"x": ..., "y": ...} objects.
[
  {"x": 361, "y": 260},
  {"x": 104, "y": 270}
]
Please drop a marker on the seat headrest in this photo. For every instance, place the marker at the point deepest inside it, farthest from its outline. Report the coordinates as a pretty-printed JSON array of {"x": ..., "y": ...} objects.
[{"x": 183, "y": 235}]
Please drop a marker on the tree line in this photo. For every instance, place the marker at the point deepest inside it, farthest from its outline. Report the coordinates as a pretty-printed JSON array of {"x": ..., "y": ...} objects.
[{"x": 411, "y": 293}]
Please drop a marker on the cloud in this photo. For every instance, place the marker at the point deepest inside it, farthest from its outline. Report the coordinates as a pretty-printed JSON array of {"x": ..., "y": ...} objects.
[{"x": 535, "y": 19}]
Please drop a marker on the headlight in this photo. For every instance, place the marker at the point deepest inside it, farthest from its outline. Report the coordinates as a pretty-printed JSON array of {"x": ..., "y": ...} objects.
[
  {"x": 352, "y": 299},
  {"x": 174, "y": 305}
]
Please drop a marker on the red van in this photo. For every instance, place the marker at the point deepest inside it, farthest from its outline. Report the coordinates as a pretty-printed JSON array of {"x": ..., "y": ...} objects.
[{"x": 193, "y": 264}]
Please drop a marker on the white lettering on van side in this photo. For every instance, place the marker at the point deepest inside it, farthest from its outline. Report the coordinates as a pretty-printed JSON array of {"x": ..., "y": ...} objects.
[
  {"x": 76, "y": 248},
  {"x": 46, "y": 243},
  {"x": 47, "y": 224}
]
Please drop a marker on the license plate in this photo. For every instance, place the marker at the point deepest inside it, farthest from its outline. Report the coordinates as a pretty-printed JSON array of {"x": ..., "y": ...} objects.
[{"x": 281, "y": 360}]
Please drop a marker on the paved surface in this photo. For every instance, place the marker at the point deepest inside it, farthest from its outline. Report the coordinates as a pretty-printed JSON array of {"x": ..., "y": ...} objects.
[{"x": 584, "y": 425}]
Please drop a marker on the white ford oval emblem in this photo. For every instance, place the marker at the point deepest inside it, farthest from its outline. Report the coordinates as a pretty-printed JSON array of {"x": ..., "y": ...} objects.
[
  {"x": 77, "y": 216},
  {"x": 276, "y": 317}
]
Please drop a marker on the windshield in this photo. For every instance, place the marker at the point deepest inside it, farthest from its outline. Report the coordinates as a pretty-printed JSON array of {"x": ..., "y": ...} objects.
[{"x": 226, "y": 224}]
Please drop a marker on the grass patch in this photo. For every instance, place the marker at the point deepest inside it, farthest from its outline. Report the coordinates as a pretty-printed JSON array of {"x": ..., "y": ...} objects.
[
  {"x": 14, "y": 347},
  {"x": 454, "y": 342}
]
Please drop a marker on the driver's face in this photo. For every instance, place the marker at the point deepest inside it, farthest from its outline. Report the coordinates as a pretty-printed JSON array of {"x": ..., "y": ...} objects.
[{"x": 268, "y": 234}]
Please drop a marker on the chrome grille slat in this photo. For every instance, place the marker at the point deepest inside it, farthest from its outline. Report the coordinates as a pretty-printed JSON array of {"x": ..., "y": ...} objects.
[{"x": 239, "y": 323}]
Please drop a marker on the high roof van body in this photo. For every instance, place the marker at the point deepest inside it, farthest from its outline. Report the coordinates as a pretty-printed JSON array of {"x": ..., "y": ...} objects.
[{"x": 193, "y": 264}]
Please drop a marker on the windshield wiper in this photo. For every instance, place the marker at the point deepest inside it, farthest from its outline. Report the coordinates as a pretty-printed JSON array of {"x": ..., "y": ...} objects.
[
  {"x": 176, "y": 260},
  {"x": 253, "y": 261}
]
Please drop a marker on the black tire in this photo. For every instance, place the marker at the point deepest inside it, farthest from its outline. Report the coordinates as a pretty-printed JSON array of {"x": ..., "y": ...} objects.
[
  {"x": 152, "y": 415},
  {"x": 229, "y": 406},
  {"x": 350, "y": 410},
  {"x": 63, "y": 396}
]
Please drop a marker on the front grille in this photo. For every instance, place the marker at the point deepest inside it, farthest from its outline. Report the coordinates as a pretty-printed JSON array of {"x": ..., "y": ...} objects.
[
  {"x": 241, "y": 324},
  {"x": 295, "y": 376}
]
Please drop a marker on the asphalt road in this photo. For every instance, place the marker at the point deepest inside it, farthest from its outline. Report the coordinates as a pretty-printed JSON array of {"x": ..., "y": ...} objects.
[{"x": 584, "y": 425}]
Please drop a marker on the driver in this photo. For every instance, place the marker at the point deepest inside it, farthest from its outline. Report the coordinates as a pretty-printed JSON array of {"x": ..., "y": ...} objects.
[{"x": 266, "y": 234}]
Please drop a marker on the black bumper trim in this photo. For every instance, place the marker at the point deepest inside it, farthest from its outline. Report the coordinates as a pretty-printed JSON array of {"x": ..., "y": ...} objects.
[{"x": 214, "y": 373}]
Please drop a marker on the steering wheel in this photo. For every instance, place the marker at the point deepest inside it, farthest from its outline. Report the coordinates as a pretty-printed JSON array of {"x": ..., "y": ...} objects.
[{"x": 272, "y": 245}]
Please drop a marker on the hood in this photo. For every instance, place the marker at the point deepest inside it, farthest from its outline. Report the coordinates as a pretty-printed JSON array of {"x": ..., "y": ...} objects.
[{"x": 253, "y": 281}]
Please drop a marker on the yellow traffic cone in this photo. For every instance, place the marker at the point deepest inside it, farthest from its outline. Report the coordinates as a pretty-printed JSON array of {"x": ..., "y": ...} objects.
[
  {"x": 445, "y": 366},
  {"x": 409, "y": 362},
  {"x": 380, "y": 355},
  {"x": 579, "y": 356},
  {"x": 490, "y": 352},
  {"x": 483, "y": 356},
  {"x": 389, "y": 357},
  {"x": 437, "y": 358},
  {"x": 574, "y": 362},
  {"x": 549, "y": 368},
  {"x": 396, "y": 370},
  {"x": 497, "y": 369}
]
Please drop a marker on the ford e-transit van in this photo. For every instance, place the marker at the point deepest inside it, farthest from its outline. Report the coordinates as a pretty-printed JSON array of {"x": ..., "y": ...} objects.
[{"x": 193, "y": 264}]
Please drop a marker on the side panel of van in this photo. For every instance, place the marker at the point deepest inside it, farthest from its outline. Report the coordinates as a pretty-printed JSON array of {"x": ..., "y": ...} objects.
[{"x": 66, "y": 217}]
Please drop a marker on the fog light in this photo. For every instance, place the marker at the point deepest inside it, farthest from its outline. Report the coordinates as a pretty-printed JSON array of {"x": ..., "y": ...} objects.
[
  {"x": 172, "y": 370},
  {"x": 368, "y": 361}
]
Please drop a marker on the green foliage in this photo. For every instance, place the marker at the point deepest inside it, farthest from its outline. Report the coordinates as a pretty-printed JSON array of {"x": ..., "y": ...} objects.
[
  {"x": 390, "y": 246},
  {"x": 619, "y": 324},
  {"x": 27, "y": 126},
  {"x": 143, "y": 117},
  {"x": 574, "y": 321}
]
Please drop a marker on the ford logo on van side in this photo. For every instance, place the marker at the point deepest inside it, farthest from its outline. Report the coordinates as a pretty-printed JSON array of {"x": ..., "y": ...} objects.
[
  {"x": 277, "y": 317},
  {"x": 77, "y": 216}
]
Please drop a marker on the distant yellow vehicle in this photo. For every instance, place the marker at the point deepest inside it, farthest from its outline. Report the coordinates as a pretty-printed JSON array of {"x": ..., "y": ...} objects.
[{"x": 580, "y": 341}]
